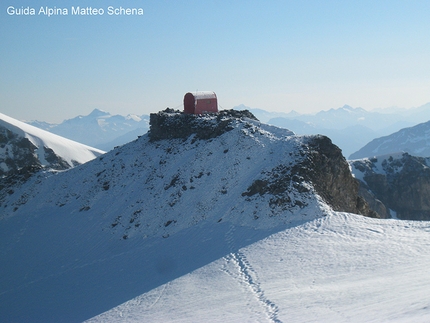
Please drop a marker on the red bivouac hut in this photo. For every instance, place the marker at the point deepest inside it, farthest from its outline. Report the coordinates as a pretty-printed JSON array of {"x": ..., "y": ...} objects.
[{"x": 200, "y": 102}]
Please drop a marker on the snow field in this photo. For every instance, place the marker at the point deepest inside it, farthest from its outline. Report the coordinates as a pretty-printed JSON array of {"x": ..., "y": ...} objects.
[{"x": 339, "y": 268}]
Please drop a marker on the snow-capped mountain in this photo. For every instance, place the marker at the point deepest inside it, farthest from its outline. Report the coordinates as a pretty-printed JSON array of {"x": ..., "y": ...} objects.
[
  {"x": 349, "y": 128},
  {"x": 264, "y": 116},
  {"x": 99, "y": 129},
  {"x": 207, "y": 218},
  {"x": 23, "y": 146},
  {"x": 413, "y": 140}
]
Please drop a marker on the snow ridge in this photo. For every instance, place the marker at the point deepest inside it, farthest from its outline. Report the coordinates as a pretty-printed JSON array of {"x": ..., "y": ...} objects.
[{"x": 71, "y": 151}]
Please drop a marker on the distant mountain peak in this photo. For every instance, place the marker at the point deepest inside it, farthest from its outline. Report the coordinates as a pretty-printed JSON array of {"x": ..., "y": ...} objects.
[
  {"x": 242, "y": 107},
  {"x": 100, "y": 129},
  {"x": 351, "y": 109},
  {"x": 96, "y": 113},
  {"x": 347, "y": 107},
  {"x": 133, "y": 117},
  {"x": 293, "y": 113}
]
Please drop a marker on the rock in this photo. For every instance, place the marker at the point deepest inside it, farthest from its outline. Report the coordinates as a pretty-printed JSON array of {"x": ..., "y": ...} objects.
[
  {"x": 323, "y": 166},
  {"x": 401, "y": 183},
  {"x": 19, "y": 159},
  {"x": 373, "y": 202},
  {"x": 329, "y": 172},
  {"x": 170, "y": 124}
]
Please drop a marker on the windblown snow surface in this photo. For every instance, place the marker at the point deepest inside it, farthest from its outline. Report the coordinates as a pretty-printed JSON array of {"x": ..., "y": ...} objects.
[
  {"x": 339, "y": 268},
  {"x": 162, "y": 232}
]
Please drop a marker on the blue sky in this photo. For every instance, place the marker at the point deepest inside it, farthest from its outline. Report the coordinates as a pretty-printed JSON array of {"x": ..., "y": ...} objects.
[{"x": 275, "y": 55}]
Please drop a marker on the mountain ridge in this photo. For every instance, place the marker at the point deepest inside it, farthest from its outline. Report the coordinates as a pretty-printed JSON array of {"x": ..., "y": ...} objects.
[
  {"x": 161, "y": 209},
  {"x": 205, "y": 131},
  {"x": 349, "y": 128},
  {"x": 413, "y": 140},
  {"x": 339, "y": 124}
]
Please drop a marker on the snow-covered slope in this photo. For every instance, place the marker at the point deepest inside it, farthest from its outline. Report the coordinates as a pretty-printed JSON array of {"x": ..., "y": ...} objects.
[
  {"x": 339, "y": 268},
  {"x": 413, "y": 140},
  {"x": 44, "y": 146},
  {"x": 99, "y": 129},
  {"x": 78, "y": 243}
]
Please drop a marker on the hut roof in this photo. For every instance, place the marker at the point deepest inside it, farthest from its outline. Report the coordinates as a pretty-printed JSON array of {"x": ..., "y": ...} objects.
[{"x": 204, "y": 95}]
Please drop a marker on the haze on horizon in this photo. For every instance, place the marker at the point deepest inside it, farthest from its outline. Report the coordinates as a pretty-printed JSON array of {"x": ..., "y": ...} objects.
[{"x": 279, "y": 56}]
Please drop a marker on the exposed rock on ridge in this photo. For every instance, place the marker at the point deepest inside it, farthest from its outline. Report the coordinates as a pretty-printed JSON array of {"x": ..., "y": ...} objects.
[
  {"x": 322, "y": 164},
  {"x": 221, "y": 167}
]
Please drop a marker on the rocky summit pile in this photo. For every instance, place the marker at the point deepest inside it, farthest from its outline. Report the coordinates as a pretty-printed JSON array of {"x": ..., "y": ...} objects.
[{"x": 169, "y": 124}]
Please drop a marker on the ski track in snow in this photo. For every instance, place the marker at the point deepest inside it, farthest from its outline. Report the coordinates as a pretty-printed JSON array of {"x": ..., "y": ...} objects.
[
  {"x": 247, "y": 277},
  {"x": 340, "y": 268},
  {"x": 159, "y": 296}
]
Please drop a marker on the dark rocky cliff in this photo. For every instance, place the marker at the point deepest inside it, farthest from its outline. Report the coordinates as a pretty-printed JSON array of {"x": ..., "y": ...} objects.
[
  {"x": 402, "y": 183},
  {"x": 329, "y": 171}
]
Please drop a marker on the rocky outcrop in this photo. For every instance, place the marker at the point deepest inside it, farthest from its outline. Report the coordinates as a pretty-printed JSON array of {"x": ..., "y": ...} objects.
[
  {"x": 322, "y": 168},
  {"x": 170, "y": 124},
  {"x": 374, "y": 203},
  {"x": 321, "y": 165},
  {"x": 401, "y": 183},
  {"x": 329, "y": 172},
  {"x": 16, "y": 153}
]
